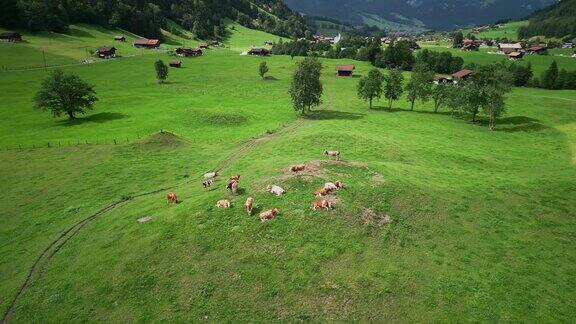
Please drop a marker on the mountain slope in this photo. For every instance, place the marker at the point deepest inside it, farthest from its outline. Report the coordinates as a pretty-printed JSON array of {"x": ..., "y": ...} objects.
[
  {"x": 558, "y": 20},
  {"x": 432, "y": 14}
]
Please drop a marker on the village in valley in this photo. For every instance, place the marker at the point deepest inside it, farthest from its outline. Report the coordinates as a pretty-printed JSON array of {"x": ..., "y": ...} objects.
[{"x": 241, "y": 161}]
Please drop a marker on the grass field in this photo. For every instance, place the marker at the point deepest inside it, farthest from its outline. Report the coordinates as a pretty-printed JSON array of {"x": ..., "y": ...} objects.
[
  {"x": 508, "y": 30},
  {"x": 482, "y": 223}
]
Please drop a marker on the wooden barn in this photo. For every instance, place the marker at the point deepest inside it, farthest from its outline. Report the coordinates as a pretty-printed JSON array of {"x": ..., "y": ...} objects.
[
  {"x": 462, "y": 74},
  {"x": 188, "y": 52},
  {"x": 10, "y": 36},
  {"x": 175, "y": 63},
  {"x": 470, "y": 45},
  {"x": 259, "y": 52},
  {"x": 441, "y": 79},
  {"x": 203, "y": 45},
  {"x": 514, "y": 56},
  {"x": 146, "y": 43},
  {"x": 106, "y": 52},
  {"x": 509, "y": 48},
  {"x": 345, "y": 70},
  {"x": 536, "y": 49},
  {"x": 119, "y": 38}
]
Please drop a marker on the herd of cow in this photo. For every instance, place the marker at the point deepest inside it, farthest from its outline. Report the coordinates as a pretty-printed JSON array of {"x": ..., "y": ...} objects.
[{"x": 233, "y": 186}]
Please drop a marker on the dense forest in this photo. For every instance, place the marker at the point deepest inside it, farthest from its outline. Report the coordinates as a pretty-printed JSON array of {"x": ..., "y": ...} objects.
[
  {"x": 558, "y": 21},
  {"x": 146, "y": 17}
]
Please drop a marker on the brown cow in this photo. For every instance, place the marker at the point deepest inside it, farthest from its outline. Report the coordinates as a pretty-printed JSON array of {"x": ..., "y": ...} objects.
[
  {"x": 172, "y": 198},
  {"x": 233, "y": 187},
  {"x": 249, "y": 205},
  {"x": 235, "y": 177},
  {"x": 268, "y": 215},
  {"x": 223, "y": 203},
  {"x": 332, "y": 154},
  {"x": 298, "y": 168},
  {"x": 321, "y": 192},
  {"x": 322, "y": 204}
]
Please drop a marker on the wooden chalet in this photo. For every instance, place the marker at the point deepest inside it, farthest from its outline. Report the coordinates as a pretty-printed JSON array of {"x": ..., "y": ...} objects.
[
  {"x": 441, "y": 79},
  {"x": 509, "y": 48},
  {"x": 106, "y": 52},
  {"x": 462, "y": 74},
  {"x": 514, "y": 56},
  {"x": 259, "y": 52},
  {"x": 470, "y": 45},
  {"x": 119, "y": 38},
  {"x": 146, "y": 43},
  {"x": 536, "y": 49},
  {"x": 188, "y": 52},
  {"x": 175, "y": 63},
  {"x": 10, "y": 36},
  {"x": 345, "y": 70}
]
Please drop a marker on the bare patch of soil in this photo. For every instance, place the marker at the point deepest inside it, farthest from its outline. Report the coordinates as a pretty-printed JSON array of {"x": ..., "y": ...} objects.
[
  {"x": 369, "y": 217},
  {"x": 162, "y": 140},
  {"x": 144, "y": 219},
  {"x": 378, "y": 179}
]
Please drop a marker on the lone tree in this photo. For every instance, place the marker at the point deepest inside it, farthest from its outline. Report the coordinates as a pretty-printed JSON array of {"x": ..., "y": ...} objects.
[
  {"x": 420, "y": 84},
  {"x": 393, "y": 87},
  {"x": 306, "y": 88},
  {"x": 263, "y": 69},
  {"x": 65, "y": 94},
  {"x": 161, "y": 71},
  {"x": 370, "y": 86}
]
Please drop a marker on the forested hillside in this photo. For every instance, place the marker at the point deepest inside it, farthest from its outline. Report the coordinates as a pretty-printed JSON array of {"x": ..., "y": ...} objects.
[
  {"x": 558, "y": 20},
  {"x": 203, "y": 17}
]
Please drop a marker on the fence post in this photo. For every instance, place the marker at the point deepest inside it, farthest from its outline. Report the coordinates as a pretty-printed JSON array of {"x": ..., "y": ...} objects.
[
  {"x": 33, "y": 145},
  {"x": 48, "y": 144},
  {"x": 20, "y": 147},
  {"x": 114, "y": 141}
]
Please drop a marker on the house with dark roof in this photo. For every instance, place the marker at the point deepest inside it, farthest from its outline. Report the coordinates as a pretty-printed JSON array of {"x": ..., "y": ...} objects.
[
  {"x": 536, "y": 49},
  {"x": 188, "y": 52},
  {"x": 469, "y": 45},
  {"x": 509, "y": 48},
  {"x": 345, "y": 70},
  {"x": 106, "y": 52},
  {"x": 259, "y": 52},
  {"x": 10, "y": 36}
]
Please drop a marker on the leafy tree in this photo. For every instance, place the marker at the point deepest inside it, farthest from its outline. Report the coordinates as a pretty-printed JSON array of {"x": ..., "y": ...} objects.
[
  {"x": 393, "y": 87},
  {"x": 441, "y": 94},
  {"x": 65, "y": 94},
  {"x": 306, "y": 88},
  {"x": 370, "y": 86},
  {"x": 458, "y": 39},
  {"x": 161, "y": 71},
  {"x": 420, "y": 84},
  {"x": 263, "y": 69},
  {"x": 396, "y": 55},
  {"x": 548, "y": 79}
]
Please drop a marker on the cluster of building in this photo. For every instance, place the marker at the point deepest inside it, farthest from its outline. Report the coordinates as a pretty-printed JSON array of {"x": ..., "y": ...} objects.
[{"x": 10, "y": 36}]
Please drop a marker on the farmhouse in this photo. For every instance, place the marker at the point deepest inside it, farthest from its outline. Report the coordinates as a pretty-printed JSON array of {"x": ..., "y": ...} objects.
[
  {"x": 469, "y": 45},
  {"x": 259, "y": 52},
  {"x": 344, "y": 70},
  {"x": 10, "y": 36},
  {"x": 106, "y": 52},
  {"x": 120, "y": 38},
  {"x": 175, "y": 63},
  {"x": 568, "y": 44},
  {"x": 514, "y": 56},
  {"x": 509, "y": 48},
  {"x": 146, "y": 43},
  {"x": 536, "y": 49},
  {"x": 188, "y": 52},
  {"x": 462, "y": 74}
]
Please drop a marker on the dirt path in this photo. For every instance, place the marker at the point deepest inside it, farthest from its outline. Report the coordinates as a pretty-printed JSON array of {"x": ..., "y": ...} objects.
[{"x": 49, "y": 251}]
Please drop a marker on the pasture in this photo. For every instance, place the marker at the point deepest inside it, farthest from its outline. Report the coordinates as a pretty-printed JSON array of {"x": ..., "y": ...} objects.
[{"x": 482, "y": 223}]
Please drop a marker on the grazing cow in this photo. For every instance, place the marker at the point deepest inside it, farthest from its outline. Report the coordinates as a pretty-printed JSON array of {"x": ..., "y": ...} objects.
[
  {"x": 339, "y": 184},
  {"x": 276, "y": 190},
  {"x": 268, "y": 215},
  {"x": 332, "y": 154},
  {"x": 325, "y": 204},
  {"x": 298, "y": 168},
  {"x": 330, "y": 186},
  {"x": 321, "y": 192},
  {"x": 249, "y": 205},
  {"x": 235, "y": 178},
  {"x": 233, "y": 186},
  {"x": 224, "y": 203},
  {"x": 211, "y": 175},
  {"x": 207, "y": 183},
  {"x": 172, "y": 198}
]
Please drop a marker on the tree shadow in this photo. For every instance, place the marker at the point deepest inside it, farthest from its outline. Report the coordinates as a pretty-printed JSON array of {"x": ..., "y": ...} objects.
[
  {"x": 397, "y": 110},
  {"x": 270, "y": 78},
  {"x": 518, "y": 124},
  {"x": 96, "y": 118},
  {"x": 71, "y": 31},
  {"x": 332, "y": 114}
]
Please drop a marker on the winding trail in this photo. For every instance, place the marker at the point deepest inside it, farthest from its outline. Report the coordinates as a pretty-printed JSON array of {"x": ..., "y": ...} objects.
[{"x": 51, "y": 249}]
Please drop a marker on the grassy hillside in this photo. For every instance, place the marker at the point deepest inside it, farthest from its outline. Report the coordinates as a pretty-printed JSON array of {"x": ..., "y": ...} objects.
[
  {"x": 242, "y": 39},
  {"x": 482, "y": 223},
  {"x": 508, "y": 30}
]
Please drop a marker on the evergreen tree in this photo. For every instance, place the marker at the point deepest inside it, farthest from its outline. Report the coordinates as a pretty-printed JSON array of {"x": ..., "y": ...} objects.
[
  {"x": 548, "y": 79},
  {"x": 263, "y": 69},
  {"x": 161, "y": 71}
]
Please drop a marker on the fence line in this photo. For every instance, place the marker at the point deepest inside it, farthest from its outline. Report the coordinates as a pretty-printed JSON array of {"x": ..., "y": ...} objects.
[{"x": 85, "y": 142}]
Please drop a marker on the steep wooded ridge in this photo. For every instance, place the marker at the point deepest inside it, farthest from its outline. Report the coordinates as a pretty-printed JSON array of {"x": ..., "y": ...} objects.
[
  {"x": 203, "y": 17},
  {"x": 558, "y": 20},
  {"x": 431, "y": 14}
]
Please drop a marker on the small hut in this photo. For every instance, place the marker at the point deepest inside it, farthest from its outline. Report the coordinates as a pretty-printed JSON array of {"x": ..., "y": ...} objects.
[
  {"x": 462, "y": 74},
  {"x": 119, "y": 38},
  {"x": 187, "y": 51},
  {"x": 345, "y": 70},
  {"x": 259, "y": 52},
  {"x": 106, "y": 52},
  {"x": 514, "y": 56},
  {"x": 175, "y": 63},
  {"x": 203, "y": 45},
  {"x": 146, "y": 43}
]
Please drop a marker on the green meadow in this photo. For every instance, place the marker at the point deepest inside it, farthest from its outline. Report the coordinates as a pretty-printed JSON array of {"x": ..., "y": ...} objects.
[
  {"x": 508, "y": 30},
  {"x": 481, "y": 224}
]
